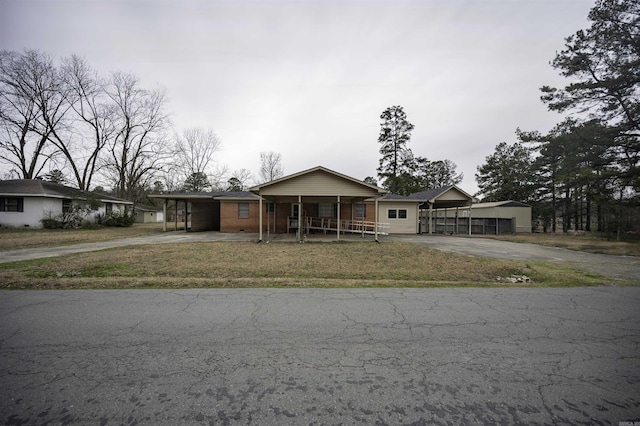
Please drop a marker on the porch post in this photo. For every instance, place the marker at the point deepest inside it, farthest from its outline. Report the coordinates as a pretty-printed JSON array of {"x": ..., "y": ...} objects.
[
  {"x": 260, "y": 220},
  {"x": 299, "y": 218},
  {"x": 457, "y": 211},
  {"x": 339, "y": 218},
  {"x": 164, "y": 215},
  {"x": 469, "y": 219}
]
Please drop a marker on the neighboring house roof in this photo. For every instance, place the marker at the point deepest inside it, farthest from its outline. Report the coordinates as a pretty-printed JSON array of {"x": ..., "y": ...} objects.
[
  {"x": 507, "y": 203},
  {"x": 42, "y": 188}
]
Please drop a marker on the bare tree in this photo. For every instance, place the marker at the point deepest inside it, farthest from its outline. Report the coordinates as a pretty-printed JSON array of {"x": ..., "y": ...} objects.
[
  {"x": 195, "y": 150},
  {"x": 139, "y": 146},
  {"x": 26, "y": 87},
  {"x": 91, "y": 124},
  {"x": 218, "y": 177},
  {"x": 270, "y": 166}
]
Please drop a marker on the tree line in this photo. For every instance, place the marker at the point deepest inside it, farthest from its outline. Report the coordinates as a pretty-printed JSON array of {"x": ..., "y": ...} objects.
[
  {"x": 584, "y": 174},
  {"x": 66, "y": 123}
]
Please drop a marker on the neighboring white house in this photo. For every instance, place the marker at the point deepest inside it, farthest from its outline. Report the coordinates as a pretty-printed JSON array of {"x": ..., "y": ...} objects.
[{"x": 26, "y": 202}]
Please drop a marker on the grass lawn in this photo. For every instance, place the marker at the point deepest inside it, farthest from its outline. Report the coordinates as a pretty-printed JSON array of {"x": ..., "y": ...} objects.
[
  {"x": 17, "y": 238},
  {"x": 246, "y": 264}
]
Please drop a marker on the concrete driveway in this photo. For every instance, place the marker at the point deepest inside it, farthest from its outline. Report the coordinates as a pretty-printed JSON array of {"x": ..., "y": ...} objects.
[
  {"x": 321, "y": 356},
  {"x": 622, "y": 267}
]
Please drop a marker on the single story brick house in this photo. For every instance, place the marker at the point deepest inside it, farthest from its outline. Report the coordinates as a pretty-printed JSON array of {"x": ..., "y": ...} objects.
[
  {"x": 318, "y": 200},
  {"x": 26, "y": 202}
]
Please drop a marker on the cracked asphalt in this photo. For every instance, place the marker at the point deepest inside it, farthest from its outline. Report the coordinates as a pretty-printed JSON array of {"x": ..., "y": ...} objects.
[{"x": 321, "y": 356}]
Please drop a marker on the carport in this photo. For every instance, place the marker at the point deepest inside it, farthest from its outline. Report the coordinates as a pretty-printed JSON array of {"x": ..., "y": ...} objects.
[
  {"x": 201, "y": 212},
  {"x": 437, "y": 203}
]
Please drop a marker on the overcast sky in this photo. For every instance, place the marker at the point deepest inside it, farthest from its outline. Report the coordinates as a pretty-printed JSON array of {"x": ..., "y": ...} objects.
[{"x": 309, "y": 79}]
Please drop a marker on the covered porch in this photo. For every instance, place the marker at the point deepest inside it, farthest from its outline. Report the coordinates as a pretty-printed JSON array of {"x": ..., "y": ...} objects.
[{"x": 318, "y": 200}]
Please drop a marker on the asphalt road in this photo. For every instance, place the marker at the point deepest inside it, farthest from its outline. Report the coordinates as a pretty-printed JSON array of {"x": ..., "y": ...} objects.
[{"x": 321, "y": 356}]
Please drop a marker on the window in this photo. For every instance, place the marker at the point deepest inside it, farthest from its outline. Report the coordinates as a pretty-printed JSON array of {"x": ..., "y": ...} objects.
[
  {"x": 12, "y": 204},
  {"x": 271, "y": 207},
  {"x": 326, "y": 210},
  {"x": 243, "y": 210},
  {"x": 361, "y": 210},
  {"x": 108, "y": 207},
  {"x": 66, "y": 206},
  {"x": 397, "y": 214}
]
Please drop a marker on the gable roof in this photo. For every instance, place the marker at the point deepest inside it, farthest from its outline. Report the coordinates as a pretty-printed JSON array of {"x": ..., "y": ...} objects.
[
  {"x": 42, "y": 188},
  {"x": 315, "y": 171},
  {"x": 430, "y": 195}
]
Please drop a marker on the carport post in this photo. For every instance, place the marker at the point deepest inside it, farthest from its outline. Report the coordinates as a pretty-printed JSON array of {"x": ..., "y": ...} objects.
[
  {"x": 430, "y": 218},
  {"x": 375, "y": 213},
  {"x": 164, "y": 215},
  {"x": 175, "y": 225}
]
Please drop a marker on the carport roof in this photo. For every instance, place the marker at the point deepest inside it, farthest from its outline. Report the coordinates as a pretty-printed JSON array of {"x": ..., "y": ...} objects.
[
  {"x": 433, "y": 194},
  {"x": 443, "y": 197},
  {"x": 217, "y": 195},
  {"x": 507, "y": 203}
]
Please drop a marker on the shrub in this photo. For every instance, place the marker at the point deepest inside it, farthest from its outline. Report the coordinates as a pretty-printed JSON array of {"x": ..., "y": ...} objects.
[
  {"x": 116, "y": 219},
  {"x": 52, "y": 223}
]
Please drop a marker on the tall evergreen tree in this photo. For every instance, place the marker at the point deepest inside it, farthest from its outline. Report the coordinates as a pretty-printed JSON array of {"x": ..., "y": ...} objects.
[
  {"x": 395, "y": 133},
  {"x": 603, "y": 65}
]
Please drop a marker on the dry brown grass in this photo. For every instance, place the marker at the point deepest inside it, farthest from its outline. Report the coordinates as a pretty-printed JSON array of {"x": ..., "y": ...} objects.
[
  {"x": 589, "y": 243},
  {"x": 17, "y": 238},
  {"x": 246, "y": 264}
]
